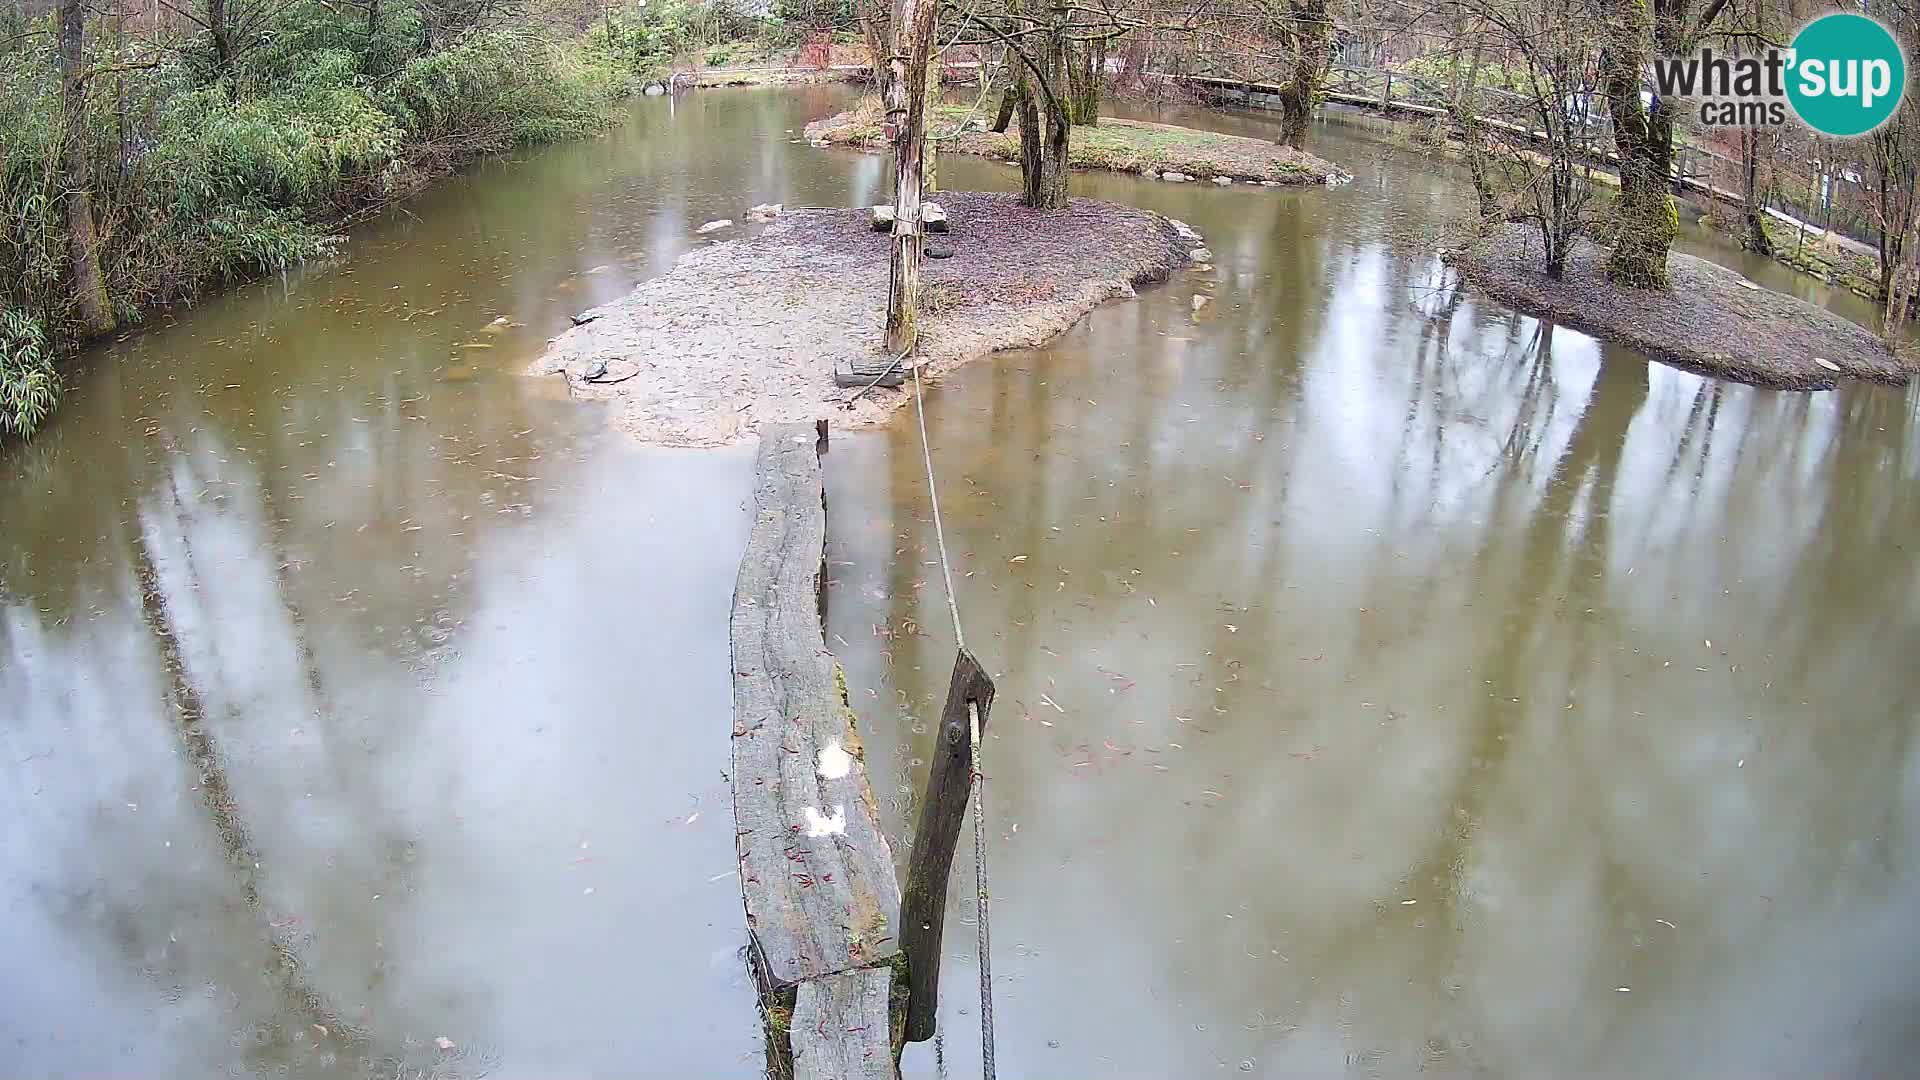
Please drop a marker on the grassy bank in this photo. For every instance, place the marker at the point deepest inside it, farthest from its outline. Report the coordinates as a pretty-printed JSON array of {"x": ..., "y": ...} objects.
[
  {"x": 1120, "y": 145},
  {"x": 212, "y": 160}
]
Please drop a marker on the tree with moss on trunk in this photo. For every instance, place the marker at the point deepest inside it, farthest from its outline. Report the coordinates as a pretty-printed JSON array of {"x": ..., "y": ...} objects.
[
  {"x": 1037, "y": 48},
  {"x": 1304, "y": 27},
  {"x": 1056, "y": 58},
  {"x": 1646, "y": 220},
  {"x": 1756, "y": 155},
  {"x": 1087, "y": 67},
  {"x": 91, "y": 302}
]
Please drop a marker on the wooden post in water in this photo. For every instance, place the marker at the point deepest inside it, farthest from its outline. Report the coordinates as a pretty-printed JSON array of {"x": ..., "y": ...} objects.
[{"x": 923, "y": 907}]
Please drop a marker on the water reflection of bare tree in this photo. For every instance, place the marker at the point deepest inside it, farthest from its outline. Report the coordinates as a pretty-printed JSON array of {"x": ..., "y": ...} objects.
[
  {"x": 300, "y": 1012},
  {"x": 294, "y": 1024}
]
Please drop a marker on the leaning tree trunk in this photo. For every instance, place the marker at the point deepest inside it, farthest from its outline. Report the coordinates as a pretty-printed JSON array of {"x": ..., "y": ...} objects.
[
  {"x": 1646, "y": 220},
  {"x": 1311, "y": 32},
  {"x": 1009, "y": 101},
  {"x": 91, "y": 302},
  {"x": 906, "y": 129}
]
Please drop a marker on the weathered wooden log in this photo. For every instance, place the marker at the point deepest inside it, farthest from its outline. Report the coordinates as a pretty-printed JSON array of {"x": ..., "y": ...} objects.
[
  {"x": 815, "y": 870},
  {"x": 923, "y": 907},
  {"x": 840, "y": 1027}
]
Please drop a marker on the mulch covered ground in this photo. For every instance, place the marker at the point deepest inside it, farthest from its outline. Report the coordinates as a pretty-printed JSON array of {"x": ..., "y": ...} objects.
[
  {"x": 1135, "y": 146},
  {"x": 1713, "y": 320},
  {"x": 750, "y": 331}
]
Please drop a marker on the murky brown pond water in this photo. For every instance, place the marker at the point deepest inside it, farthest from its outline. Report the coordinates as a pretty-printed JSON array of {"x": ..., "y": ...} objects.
[{"x": 1389, "y": 684}]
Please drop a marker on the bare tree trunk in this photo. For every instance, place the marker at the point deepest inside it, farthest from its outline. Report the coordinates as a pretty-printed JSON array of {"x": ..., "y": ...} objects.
[
  {"x": 1311, "y": 33},
  {"x": 1895, "y": 204},
  {"x": 1753, "y": 196},
  {"x": 83, "y": 250},
  {"x": 1032, "y": 153},
  {"x": 930, "y": 149},
  {"x": 876, "y": 27},
  {"x": 222, "y": 31},
  {"x": 1043, "y": 151},
  {"x": 122, "y": 125},
  {"x": 1088, "y": 65},
  {"x": 1465, "y": 114},
  {"x": 906, "y": 128},
  {"x": 1096, "y": 74},
  {"x": 1646, "y": 220}
]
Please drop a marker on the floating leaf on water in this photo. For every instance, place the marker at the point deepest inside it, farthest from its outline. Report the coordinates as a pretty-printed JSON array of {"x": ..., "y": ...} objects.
[{"x": 443, "y": 1042}]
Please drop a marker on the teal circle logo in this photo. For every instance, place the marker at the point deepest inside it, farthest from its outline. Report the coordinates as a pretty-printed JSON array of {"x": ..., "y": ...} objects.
[{"x": 1848, "y": 74}]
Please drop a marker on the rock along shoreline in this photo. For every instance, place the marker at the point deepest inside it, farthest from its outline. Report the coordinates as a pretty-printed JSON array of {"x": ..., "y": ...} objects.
[{"x": 750, "y": 331}]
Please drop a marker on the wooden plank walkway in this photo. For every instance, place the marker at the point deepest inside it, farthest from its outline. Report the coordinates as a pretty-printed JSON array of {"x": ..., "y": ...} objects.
[
  {"x": 823, "y": 906},
  {"x": 840, "y": 1027}
]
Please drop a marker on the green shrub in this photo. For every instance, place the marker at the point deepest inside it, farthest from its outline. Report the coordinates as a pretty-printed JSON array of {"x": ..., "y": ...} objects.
[
  {"x": 28, "y": 384},
  {"x": 491, "y": 90},
  {"x": 289, "y": 148},
  {"x": 202, "y": 177}
]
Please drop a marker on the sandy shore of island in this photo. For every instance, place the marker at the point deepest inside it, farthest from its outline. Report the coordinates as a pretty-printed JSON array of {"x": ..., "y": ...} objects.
[{"x": 751, "y": 331}]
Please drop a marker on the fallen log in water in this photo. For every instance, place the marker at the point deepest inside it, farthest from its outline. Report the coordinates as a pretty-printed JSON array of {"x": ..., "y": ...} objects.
[{"x": 816, "y": 875}]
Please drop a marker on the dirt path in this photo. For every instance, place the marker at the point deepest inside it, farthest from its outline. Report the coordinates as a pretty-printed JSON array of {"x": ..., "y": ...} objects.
[
  {"x": 750, "y": 331},
  {"x": 1713, "y": 320}
]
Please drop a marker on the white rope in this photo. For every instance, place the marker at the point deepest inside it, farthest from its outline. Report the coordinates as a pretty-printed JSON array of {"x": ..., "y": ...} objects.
[
  {"x": 933, "y": 497},
  {"x": 979, "y": 776}
]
